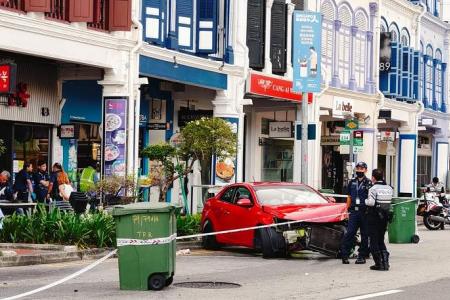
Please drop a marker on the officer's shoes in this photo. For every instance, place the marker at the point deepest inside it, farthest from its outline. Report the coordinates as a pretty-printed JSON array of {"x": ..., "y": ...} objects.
[
  {"x": 345, "y": 261},
  {"x": 360, "y": 260}
]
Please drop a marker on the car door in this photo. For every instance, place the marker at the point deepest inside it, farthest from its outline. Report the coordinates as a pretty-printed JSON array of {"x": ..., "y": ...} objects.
[
  {"x": 236, "y": 216},
  {"x": 221, "y": 211}
]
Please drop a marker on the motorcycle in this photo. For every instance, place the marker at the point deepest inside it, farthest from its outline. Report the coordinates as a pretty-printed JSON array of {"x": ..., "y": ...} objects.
[{"x": 434, "y": 209}]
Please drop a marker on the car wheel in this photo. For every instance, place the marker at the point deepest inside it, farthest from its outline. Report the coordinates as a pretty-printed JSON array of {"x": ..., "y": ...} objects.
[
  {"x": 209, "y": 242},
  {"x": 273, "y": 244}
]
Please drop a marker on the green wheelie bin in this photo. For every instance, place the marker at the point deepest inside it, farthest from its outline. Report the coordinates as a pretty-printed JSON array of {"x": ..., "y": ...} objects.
[
  {"x": 146, "y": 241},
  {"x": 402, "y": 228}
]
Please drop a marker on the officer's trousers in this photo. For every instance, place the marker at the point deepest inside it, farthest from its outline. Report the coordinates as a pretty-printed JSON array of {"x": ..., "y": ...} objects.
[
  {"x": 357, "y": 220},
  {"x": 377, "y": 222}
]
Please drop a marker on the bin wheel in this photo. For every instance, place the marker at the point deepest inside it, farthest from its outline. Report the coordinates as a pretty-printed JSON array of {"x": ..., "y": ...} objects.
[
  {"x": 415, "y": 239},
  {"x": 169, "y": 281},
  {"x": 157, "y": 282}
]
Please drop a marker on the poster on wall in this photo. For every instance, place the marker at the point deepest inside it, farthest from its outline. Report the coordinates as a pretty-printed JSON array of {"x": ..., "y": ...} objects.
[
  {"x": 224, "y": 168},
  {"x": 115, "y": 137},
  {"x": 73, "y": 160},
  {"x": 307, "y": 39}
]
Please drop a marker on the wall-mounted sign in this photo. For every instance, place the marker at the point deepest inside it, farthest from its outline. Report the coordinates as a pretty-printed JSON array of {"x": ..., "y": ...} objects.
[
  {"x": 385, "y": 114},
  {"x": 344, "y": 142},
  {"x": 280, "y": 129},
  {"x": 358, "y": 141},
  {"x": 45, "y": 111},
  {"x": 186, "y": 115},
  {"x": 68, "y": 131},
  {"x": 427, "y": 122},
  {"x": 8, "y": 78},
  {"x": 351, "y": 124},
  {"x": 342, "y": 107},
  {"x": 157, "y": 126},
  {"x": 307, "y": 39},
  {"x": 387, "y": 136},
  {"x": 115, "y": 136},
  {"x": 273, "y": 87},
  {"x": 329, "y": 140}
]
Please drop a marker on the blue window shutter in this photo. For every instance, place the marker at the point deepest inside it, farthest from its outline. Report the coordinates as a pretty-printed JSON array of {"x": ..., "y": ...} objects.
[
  {"x": 154, "y": 16},
  {"x": 207, "y": 15},
  {"x": 416, "y": 73},
  {"x": 393, "y": 72},
  {"x": 185, "y": 24}
]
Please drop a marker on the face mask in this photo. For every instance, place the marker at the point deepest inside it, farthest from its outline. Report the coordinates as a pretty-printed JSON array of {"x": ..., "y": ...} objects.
[{"x": 360, "y": 174}]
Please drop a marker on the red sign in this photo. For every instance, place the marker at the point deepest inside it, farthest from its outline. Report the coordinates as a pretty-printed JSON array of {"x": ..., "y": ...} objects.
[
  {"x": 7, "y": 78},
  {"x": 272, "y": 87}
]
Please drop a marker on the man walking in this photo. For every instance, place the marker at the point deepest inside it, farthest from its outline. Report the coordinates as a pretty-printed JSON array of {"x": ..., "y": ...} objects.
[
  {"x": 358, "y": 190},
  {"x": 378, "y": 207}
]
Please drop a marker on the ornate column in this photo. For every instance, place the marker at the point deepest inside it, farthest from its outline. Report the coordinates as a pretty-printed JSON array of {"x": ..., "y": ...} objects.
[
  {"x": 370, "y": 84},
  {"x": 352, "y": 80},
  {"x": 289, "y": 68},
  {"x": 335, "y": 79},
  {"x": 267, "y": 62}
]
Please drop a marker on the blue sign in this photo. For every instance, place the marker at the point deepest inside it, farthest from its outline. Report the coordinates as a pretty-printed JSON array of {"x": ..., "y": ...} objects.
[{"x": 307, "y": 51}]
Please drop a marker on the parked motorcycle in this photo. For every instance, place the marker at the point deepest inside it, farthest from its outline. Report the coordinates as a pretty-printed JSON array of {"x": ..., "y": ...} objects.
[{"x": 434, "y": 209}]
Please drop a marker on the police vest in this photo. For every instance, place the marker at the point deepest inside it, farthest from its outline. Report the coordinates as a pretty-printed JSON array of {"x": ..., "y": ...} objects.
[{"x": 359, "y": 190}]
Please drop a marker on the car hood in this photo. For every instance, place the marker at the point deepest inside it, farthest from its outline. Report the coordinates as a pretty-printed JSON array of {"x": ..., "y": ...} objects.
[{"x": 314, "y": 213}]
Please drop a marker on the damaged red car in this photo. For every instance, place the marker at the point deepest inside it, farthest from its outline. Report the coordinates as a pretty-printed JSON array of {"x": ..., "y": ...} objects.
[{"x": 320, "y": 228}]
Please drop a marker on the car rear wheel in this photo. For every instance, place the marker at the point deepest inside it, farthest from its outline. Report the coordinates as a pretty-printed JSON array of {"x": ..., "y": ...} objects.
[
  {"x": 272, "y": 243},
  {"x": 209, "y": 242}
]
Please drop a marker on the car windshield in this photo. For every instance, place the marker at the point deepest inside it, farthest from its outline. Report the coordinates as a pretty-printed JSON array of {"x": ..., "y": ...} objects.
[{"x": 288, "y": 195}]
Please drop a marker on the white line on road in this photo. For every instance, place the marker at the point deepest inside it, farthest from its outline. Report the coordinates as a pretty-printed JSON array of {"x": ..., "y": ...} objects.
[{"x": 368, "y": 296}]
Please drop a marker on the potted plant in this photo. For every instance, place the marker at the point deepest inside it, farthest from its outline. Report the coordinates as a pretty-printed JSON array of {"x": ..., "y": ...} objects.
[{"x": 117, "y": 189}]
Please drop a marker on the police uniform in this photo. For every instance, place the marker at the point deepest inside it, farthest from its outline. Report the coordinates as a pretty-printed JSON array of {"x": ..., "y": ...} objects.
[
  {"x": 21, "y": 185},
  {"x": 378, "y": 207},
  {"x": 358, "y": 190},
  {"x": 40, "y": 190}
]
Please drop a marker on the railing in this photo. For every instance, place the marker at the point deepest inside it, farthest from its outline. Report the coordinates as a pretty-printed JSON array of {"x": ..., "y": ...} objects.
[
  {"x": 12, "y": 4},
  {"x": 58, "y": 10},
  {"x": 100, "y": 15}
]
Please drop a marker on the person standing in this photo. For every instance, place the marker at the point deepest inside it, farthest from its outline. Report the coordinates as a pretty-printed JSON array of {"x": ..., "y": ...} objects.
[
  {"x": 22, "y": 184},
  {"x": 53, "y": 187},
  {"x": 378, "y": 207},
  {"x": 6, "y": 192},
  {"x": 64, "y": 187},
  {"x": 358, "y": 190},
  {"x": 41, "y": 181}
]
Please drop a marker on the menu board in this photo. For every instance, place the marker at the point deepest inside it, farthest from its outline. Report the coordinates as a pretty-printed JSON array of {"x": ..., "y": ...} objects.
[{"x": 115, "y": 136}]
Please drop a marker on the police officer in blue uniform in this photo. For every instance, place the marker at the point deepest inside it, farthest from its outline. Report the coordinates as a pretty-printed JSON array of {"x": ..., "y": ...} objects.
[
  {"x": 23, "y": 185},
  {"x": 41, "y": 181},
  {"x": 358, "y": 190}
]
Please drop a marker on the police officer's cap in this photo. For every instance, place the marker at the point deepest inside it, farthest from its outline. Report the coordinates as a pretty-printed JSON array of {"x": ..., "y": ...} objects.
[{"x": 361, "y": 164}]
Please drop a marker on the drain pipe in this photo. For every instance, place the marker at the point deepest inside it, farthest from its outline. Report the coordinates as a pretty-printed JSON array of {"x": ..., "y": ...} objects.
[{"x": 134, "y": 113}]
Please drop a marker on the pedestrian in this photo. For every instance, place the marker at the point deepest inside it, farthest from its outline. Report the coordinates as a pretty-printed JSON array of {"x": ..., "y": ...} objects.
[
  {"x": 23, "y": 185},
  {"x": 378, "y": 210},
  {"x": 6, "y": 192},
  {"x": 53, "y": 186},
  {"x": 358, "y": 190},
  {"x": 41, "y": 181},
  {"x": 64, "y": 187}
]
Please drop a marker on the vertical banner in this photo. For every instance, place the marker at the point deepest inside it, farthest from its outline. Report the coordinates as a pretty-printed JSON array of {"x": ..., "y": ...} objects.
[
  {"x": 307, "y": 39},
  {"x": 224, "y": 167},
  {"x": 115, "y": 136}
]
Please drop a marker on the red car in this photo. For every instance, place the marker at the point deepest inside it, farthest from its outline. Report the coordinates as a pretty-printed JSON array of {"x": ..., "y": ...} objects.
[{"x": 252, "y": 204}]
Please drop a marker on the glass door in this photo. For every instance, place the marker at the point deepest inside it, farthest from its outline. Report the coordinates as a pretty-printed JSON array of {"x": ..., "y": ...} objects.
[{"x": 278, "y": 160}]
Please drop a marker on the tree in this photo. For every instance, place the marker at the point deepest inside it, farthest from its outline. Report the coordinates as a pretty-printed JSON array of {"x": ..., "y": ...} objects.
[{"x": 199, "y": 140}]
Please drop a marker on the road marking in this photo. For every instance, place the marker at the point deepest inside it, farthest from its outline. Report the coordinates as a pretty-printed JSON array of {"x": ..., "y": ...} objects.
[{"x": 368, "y": 296}]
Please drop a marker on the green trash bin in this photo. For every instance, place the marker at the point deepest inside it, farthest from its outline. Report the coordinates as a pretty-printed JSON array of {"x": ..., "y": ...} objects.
[
  {"x": 402, "y": 228},
  {"x": 146, "y": 241}
]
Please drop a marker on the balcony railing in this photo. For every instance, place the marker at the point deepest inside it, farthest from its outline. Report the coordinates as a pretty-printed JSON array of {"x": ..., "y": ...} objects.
[
  {"x": 58, "y": 10},
  {"x": 100, "y": 15},
  {"x": 12, "y": 4}
]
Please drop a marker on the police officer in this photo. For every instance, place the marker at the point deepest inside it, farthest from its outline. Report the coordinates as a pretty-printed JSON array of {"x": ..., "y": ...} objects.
[
  {"x": 41, "y": 181},
  {"x": 378, "y": 207},
  {"x": 358, "y": 190}
]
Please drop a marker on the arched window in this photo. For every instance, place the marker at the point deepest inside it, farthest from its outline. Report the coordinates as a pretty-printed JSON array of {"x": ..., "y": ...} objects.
[
  {"x": 328, "y": 13},
  {"x": 395, "y": 32},
  {"x": 345, "y": 16},
  {"x": 360, "y": 50},
  {"x": 404, "y": 37},
  {"x": 429, "y": 74},
  {"x": 384, "y": 25},
  {"x": 438, "y": 76}
]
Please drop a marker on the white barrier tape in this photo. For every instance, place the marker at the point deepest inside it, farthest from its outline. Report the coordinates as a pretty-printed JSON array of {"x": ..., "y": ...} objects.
[
  {"x": 76, "y": 274},
  {"x": 138, "y": 242}
]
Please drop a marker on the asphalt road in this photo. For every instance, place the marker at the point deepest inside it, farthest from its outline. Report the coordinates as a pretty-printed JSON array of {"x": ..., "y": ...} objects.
[{"x": 418, "y": 271}]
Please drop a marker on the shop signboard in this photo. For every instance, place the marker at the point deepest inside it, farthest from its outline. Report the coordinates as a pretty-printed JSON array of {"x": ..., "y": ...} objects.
[
  {"x": 224, "y": 167},
  {"x": 307, "y": 38},
  {"x": 68, "y": 131},
  {"x": 187, "y": 115},
  {"x": 7, "y": 78},
  {"x": 330, "y": 140},
  {"x": 157, "y": 126},
  {"x": 115, "y": 137},
  {"x": 342, "y": 107},
  {"x": 280, "y": 129}
]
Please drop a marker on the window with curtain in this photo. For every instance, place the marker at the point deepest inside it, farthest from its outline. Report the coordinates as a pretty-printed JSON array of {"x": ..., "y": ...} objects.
[
  {"x": 344, "y": 45},
  {"x": 360, "y": 51},
  {"x": 327, "y": 34}
]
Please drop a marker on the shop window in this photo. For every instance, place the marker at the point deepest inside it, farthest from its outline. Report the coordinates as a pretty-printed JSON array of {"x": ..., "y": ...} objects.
[
  {"x": 327, "y": 34},
  {"x": 423, "y": 170},
  {"x": 89, "y": 146},
  {"x": 265, "y": 125},
  {"x": 344, "y": 45},
  {"x": 31, "y": 144}
]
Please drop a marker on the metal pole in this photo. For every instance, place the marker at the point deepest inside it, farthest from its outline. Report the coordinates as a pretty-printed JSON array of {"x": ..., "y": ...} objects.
[{"x": 304, "y": 165}]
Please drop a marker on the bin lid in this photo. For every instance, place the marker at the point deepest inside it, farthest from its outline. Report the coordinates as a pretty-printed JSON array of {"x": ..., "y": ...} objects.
[{"x": 142, "y": 208}]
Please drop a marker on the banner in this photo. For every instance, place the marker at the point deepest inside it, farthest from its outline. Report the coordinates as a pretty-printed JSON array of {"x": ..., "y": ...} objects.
[
  {"x": 307, "y": 39},
  {"x": 115, "y": 136},
  {"x": 224, "y": 168}
]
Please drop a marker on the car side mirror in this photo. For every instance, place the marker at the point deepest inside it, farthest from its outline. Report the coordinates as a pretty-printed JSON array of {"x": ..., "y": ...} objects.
[
  {"x": 331, "y": 199},
  {"x": 244, "y": 202}
]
